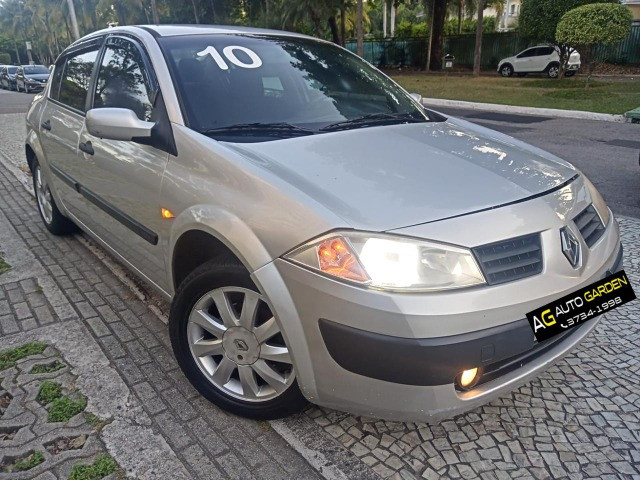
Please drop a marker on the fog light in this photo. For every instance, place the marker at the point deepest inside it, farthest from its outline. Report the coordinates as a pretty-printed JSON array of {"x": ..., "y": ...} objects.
[{"x": 468, "y": 378}]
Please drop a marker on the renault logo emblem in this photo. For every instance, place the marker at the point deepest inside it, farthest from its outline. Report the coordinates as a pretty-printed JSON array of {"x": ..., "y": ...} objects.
[
  {"x": 241, "y": 345},
  {"x": 570, "y": 246}
]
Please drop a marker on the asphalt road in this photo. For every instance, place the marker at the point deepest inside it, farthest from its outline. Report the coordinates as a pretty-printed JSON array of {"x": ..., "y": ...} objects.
[
  {"x": 608, "y": 153},
  {"x": 14, "y": 102}
]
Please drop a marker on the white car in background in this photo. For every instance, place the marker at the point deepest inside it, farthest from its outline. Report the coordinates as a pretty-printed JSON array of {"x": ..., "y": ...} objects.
[{"x": 539, "y": 59}]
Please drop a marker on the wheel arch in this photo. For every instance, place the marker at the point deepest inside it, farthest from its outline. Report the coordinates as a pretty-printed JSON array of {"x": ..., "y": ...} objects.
[{"x": 205, "y": 233}]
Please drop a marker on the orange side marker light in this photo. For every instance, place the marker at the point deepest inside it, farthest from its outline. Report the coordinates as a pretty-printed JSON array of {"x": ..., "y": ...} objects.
[{"x": 167, "y": 214}]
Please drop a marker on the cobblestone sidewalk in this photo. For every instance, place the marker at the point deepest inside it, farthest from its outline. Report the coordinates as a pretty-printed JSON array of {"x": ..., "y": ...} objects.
[{"x": 116, "y": 354}]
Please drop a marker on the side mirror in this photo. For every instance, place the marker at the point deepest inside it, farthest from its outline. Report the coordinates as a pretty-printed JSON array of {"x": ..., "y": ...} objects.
[
  {"x": 417, "y": 97},
  {"x": 117, "y": 124}
]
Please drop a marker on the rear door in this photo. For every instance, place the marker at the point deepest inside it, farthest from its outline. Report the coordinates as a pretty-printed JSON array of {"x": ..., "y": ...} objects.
[
  {"x": 62, "y": 120},
  {"x": 524, "y": 61},
  {"x": 122, "y": 179},
  {"x": 542, "y": 58}
]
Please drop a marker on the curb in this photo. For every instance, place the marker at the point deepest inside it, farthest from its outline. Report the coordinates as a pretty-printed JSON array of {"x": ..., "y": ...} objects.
[{"x": 542, "y": 112}]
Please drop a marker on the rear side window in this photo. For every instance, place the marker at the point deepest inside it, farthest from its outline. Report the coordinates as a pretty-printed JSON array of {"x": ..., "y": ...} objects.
[
  {"x": 528, "y": 53},
  {"x": 76, "y": 78},
  {"x": 123, "y": 80},
  {"x": 56, "y": 78}
]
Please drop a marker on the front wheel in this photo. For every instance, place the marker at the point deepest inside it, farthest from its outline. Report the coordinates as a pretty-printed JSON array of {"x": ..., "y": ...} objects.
[
  {"x": 553, "y": 70},
  {"x": 229, "y": 344},
  {"x": 55, "y": 222},
  {"x": 506, "y": 70}
]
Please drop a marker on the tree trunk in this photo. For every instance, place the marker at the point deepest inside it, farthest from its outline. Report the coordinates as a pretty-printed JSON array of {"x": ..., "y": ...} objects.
[
  {"x": 343, "y": 22},
  {"x": 154, "y": 12},
  {"x": 122, "y": 17},
  {"x": 360, "y": 29},
  {"x": 333, "y": 26},
  {"x": 213, "y": 12},
  {"x": 195, "y": 11},
  {"x": 460, "y": 15},
  {"x": 477, "y": 56},
  {"x": 144, "y": 9},
  {"x": 15, "y": 45},
  {"x": 437, "y": 41}
]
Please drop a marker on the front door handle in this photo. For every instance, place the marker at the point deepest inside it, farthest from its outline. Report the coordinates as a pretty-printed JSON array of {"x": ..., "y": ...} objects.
[
  {"x": 46, "y": 125},
  {"x": 86, "y": 147}
]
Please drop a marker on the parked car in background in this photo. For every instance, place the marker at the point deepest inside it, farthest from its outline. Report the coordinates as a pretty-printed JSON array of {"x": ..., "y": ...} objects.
[
  {"x": 8, "y": 77},
  {"x": 539, "y": 59},
  {"x": 31, "y": 78}
]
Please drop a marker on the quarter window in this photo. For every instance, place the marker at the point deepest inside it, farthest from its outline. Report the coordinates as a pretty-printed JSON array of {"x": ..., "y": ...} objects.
[
  {"x": 123, "y": 81},
  {"x": 56, "y": 78},
  {"x": 76, "y": 78}
]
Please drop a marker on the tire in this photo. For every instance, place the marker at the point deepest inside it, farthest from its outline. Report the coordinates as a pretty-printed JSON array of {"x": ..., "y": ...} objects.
[
  {"x": 55, "y": 222},
  {"x": 506, "y": 70},
  {"x": 569, "y": 74},
  {"x": 553, "y": 70},
  {"x": 203, "y": 353}
]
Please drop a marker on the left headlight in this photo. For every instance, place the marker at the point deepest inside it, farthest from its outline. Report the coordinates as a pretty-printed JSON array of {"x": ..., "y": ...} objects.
[
  {"x": 390, "y": 262},
  {"x": 598, "y": 202}
]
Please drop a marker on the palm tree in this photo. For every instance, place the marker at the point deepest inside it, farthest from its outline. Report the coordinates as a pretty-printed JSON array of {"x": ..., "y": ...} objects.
[{"x": 360, "y": 29}]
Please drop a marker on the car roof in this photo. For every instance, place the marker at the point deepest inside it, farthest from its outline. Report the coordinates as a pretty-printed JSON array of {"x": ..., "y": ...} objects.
[{"x": 182, "y": 30}]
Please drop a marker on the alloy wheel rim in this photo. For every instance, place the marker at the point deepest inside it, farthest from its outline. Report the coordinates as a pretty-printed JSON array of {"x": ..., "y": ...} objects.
[
  {"x": 506, "y": 71},
  {"x": 43, "y": 194},
  {"x": 553, "y": 72},
  {"x": 236, "y": 342}
]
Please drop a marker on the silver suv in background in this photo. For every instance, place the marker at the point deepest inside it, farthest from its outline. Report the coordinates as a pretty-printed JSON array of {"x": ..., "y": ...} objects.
[
  {"x": 321, "y": 235},
  {"x": 539, "y": 59}
]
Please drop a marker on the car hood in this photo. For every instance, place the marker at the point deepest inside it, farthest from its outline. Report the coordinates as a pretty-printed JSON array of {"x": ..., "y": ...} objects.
[
  {"x": 38, "y": 76},
  {"x": 389, "y": 177}
]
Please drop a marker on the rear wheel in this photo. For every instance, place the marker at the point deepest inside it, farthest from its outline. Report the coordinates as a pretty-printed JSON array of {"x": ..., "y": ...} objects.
[
  {"x": 55, "y": 222},
  {"x": 553, "y": 70},
  {"x": 229, "y": 344},
  {"x": 506, "y": 70}
]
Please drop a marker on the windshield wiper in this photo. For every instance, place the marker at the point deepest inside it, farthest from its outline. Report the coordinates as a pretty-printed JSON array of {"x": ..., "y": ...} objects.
[
  {"x": 260, "y": 129},
  {"x": 373, "y": 119}
]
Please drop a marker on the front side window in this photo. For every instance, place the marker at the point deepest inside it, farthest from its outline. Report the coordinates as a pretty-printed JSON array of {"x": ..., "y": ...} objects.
[
  {"x": 123, "y": 81},
  {"x": 56, "y": 78},
  {"x": 76, "y": 78},
  {"x": 296, "y": 85}
]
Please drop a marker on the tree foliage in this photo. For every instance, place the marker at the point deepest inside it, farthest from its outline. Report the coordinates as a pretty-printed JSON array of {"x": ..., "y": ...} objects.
[
  {"x": 604, "y": 23},
  {"x": 539, "y": 18},
  {"x": 598, "y": 23}
]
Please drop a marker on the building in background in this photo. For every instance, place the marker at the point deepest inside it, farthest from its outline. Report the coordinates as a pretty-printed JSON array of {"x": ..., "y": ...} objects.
[{"x": 634, "y": 6}]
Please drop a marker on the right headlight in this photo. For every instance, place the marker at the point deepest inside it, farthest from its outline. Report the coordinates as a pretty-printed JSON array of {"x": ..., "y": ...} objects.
[
  {"x": 390, "y": 262},
  {"x": 598, "y": 202}
]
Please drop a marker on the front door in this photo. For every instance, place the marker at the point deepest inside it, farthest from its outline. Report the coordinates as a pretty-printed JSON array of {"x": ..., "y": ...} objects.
[{"x": 122, "y": 179}]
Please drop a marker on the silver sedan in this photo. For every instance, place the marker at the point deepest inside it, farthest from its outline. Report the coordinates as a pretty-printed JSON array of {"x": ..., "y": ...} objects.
[{"x": 321, "y": 235}]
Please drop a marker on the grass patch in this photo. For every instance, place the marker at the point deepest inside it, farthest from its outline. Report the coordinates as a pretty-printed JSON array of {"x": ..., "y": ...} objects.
[
  {"x": 64, "y": 408},
  {"x": 8, "y": 358},
  {"x": 4, "y": 266},
  {"x": 614, "y": 97},
  {"x": 96, "y": 422},
  {"x": 103, "y": 465},
  {"x": 25, "y": 463},
  {"x": 49, "y": 391},
  {"x": 47, "y": 368}
]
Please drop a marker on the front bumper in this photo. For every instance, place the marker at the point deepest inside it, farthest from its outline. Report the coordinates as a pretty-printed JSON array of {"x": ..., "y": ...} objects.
[{"x": 395, "y": 356}]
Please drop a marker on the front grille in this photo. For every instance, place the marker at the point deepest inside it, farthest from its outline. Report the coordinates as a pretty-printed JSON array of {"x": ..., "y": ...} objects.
[
  {"x": 590, "y": 225},
  {"x": 510, "y": 260}
]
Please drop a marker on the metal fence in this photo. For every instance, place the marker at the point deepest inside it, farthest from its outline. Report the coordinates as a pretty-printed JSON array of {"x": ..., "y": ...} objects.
[{"x": 495, "y": 46}]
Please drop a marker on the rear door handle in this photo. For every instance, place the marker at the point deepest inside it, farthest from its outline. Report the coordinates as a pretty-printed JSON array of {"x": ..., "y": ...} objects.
[
  {"x": 86, "y": 147},
  {"x": 46, "y": 125}
]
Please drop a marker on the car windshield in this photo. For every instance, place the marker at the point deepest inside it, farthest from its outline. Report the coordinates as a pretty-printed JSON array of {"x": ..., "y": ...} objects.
[
  {"x": 35, "y": 69},
  {"x": 277, "y": 86}
]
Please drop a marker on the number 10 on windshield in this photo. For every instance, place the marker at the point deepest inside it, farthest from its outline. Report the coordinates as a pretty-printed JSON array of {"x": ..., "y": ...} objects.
[{"x": 230, "y": 54}]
